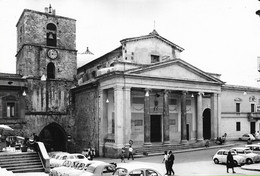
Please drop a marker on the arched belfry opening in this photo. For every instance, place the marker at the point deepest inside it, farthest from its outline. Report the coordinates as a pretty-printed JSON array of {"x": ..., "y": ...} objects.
[
  {"x": 51, "y": 71},
  {"x": 51, "y": 35},
  {"x": 207, "y": 124},
  {"x": 54, "y": 137}
]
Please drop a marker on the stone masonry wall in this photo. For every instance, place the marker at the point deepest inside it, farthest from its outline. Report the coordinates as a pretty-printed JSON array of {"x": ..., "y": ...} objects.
[{"x": 86, "y": 119}]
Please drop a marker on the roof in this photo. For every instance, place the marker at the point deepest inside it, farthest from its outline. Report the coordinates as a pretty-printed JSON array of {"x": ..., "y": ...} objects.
[
  {"x": 153, "y": 34},
  {"x": 10, "y": 76}
]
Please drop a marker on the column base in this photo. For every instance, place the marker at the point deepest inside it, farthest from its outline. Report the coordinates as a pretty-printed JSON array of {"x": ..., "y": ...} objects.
[
  {"x": 200, "y": 140},
  {"x": 184, "y": 141},
  {"x": 147, "y": 144},
  {"x": 166, "y": 143}
]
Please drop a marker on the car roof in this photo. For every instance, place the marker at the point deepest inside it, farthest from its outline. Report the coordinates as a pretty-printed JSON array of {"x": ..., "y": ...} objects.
[
  {"x": 134, "y": 165},
  {"x": 240, "y": 148}
]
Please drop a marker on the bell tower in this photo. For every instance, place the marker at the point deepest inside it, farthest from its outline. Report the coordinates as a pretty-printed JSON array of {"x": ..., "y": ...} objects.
[
  {"x": 46, "y": 45},
  {"x": 47, "y": 59}
]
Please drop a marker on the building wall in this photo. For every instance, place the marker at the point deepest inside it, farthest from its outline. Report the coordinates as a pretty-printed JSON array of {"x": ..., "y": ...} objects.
[
  {"x": 140, "y": 51},
  {"x": 231, "y": 95},
  {"x": 86, "y": 119}
]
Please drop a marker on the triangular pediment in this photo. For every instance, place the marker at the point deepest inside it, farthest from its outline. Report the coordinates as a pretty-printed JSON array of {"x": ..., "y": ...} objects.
[{"x": 176, "y": 69}]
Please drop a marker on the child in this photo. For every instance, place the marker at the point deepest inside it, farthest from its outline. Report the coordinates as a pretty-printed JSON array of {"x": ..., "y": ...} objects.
[{"x": 123, "y": 155}]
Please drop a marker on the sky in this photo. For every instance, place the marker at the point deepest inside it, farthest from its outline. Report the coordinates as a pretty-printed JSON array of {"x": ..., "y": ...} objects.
[{"x": 219, "y": 36}]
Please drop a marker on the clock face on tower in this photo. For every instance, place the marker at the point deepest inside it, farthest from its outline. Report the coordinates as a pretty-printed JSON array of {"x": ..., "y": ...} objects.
[{"x": 52, "y": 53}]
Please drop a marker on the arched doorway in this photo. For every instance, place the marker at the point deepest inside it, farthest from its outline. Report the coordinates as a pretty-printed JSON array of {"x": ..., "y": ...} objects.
[
  {"x": 206, "y": 124},
  {"x": 54, "y": 137}
]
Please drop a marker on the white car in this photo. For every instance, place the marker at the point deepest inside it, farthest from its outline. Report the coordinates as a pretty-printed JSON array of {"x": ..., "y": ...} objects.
[
  {"x": 221, "y": 157},
  {"x": 246, "y": 137},
  {"x": 253, "y": 146},
  {"x": 247, "y": 154},
  {"x": 134, "y": 169},
  {"x": 83, "y": 168},
  {"x": 61, "y": 157}
]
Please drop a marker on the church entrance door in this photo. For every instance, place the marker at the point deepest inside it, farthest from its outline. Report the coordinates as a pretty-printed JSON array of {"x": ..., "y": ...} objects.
[
  {"x": 206, "y": 124},
  {"x": 156, "y": 135}
]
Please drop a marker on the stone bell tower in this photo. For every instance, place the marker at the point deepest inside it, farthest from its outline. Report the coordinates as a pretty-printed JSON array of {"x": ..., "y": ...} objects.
[
  {"x": 47, "y": 58},
  {"x": 46, "y": 45}
]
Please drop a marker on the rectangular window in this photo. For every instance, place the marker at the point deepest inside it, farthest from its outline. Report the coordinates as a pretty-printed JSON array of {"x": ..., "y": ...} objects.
[
  {"x": 10, "y": 109},
  {"x": 155, "y": 58},
  {"x": 172, "y": 101},
  {"x": 238, "y": 127},
  {"x": 237, "y": 107},
  {"x": 252, "y": 107}
]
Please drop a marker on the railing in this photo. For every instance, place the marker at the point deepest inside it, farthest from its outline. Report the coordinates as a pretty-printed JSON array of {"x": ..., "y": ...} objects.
[{"x": 41, "y": 150}]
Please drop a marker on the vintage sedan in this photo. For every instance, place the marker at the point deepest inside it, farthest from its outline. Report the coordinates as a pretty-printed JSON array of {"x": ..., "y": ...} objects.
[
  {"x": 135, "y": 169},
  {"x": 246, "y": 137},
  {"x": 253, "y": 147},
  {"x": 247, "y": 154},
  {"x": 61, "y": 157},
  {"x": 221, "y": 157},
  {"x": 79, "y": 168}
]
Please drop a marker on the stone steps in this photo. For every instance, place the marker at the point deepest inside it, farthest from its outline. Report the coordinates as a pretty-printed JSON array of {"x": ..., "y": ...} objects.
[{"x": 21, "y": 162}]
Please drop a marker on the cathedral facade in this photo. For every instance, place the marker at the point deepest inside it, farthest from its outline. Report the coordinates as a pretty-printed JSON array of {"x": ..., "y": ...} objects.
[{"x": 142, "y": 93}]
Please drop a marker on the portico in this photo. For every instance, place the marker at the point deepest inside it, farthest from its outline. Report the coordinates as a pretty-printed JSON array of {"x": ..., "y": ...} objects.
[{"x": 147, "y": 110}]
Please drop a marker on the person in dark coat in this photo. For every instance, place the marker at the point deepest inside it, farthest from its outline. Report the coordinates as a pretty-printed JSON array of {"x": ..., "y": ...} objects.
[
  {"x": 170, "y": 162},
  {"x": 230, "y": 162}
]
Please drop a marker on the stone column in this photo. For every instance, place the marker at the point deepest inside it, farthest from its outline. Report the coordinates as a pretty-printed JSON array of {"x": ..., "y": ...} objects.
[
  {"x": 102, "y": 115},
  {"x": 166, "y": 132},
  {"x": 119, "y": 116},
  {"x": 127, "y": 114},
  {"x": 219, "y": 132},
  {"x": 214, "y": 116},
  {"x": 147, "y": 120},
  {"x": 199, "y": 118},
  {"x": 183, "y": 118}
]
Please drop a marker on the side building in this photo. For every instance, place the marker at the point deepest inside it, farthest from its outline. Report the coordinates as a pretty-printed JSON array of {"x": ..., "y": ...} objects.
[{"x": 240, "y": 110}]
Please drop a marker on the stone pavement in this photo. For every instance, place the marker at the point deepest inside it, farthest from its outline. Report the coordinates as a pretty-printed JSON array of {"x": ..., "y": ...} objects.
[
  {"x": 253, "y": 167},
  {"x": 229, "y": 144}
]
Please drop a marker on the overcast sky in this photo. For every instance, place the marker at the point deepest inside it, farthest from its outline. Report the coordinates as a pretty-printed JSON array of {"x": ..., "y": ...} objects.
[{"x": 219, "y": 36}]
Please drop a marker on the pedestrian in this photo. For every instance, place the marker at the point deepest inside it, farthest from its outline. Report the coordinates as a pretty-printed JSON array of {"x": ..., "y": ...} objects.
[
  {"x": 230, "y": 162},
  {"x": 165, "y": 161},
  {"x": 123, "y": 155},
  {"x": 130, "y": 152},
  {"x": 171, "y": 159},
  {"x": 207, "y": 143}
]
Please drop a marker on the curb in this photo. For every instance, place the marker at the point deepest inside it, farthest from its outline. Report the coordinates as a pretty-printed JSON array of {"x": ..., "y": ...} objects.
[{"x": 186, "y": 150}]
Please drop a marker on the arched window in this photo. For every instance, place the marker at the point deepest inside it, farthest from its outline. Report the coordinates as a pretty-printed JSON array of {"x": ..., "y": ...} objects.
[
  {"x": 51, "y": 35},
  {"x": 50, "y": 71}
]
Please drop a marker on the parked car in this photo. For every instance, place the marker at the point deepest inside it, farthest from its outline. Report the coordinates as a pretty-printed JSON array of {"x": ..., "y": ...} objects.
[
  {"x": 253, "y": 146},
  {"x": 61, "y": 157},
  {"x": 82, "y": 168},
  {"x": 135, "y": 169},
  {"x": 247, "y": 154},
  {"x": 221, "y": 157},
  {"x": 246, "y": 137}
]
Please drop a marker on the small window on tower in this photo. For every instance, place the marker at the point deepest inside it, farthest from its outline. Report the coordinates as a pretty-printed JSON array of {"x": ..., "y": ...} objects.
[
  {"x": 50, "y": 71},
  {"x": 155, "y": 58},
  {"x": 51, "y": 35}
]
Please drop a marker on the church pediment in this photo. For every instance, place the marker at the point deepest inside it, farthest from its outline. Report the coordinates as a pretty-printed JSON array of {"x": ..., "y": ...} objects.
[{"x": 176, "y": 69}]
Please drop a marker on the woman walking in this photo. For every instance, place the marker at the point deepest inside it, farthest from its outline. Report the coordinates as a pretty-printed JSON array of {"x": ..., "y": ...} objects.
[{"x": 230, "y": 162}]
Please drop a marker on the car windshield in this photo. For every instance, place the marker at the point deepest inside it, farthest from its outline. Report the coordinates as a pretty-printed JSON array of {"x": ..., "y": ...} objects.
[
  {"x": 248, "y": 151},
  {"x": 120, "y": 172}
]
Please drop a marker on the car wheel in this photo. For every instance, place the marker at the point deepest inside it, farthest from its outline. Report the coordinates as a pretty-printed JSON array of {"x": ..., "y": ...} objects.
[
  {"x": 216, "y": 161},
  {"x": 235, "y": 163},
  {"x": 249, "y": 161}
]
